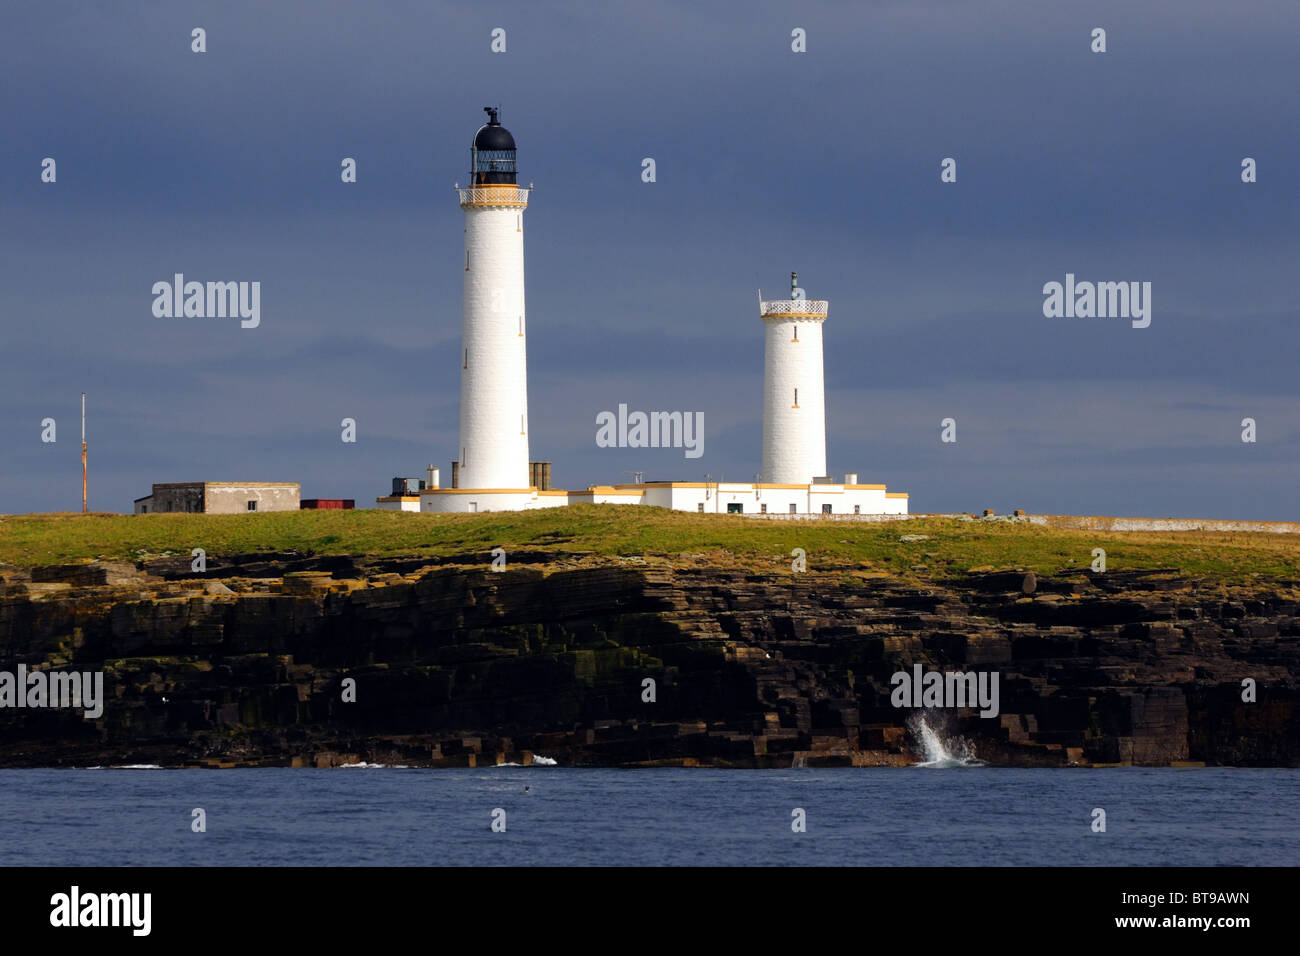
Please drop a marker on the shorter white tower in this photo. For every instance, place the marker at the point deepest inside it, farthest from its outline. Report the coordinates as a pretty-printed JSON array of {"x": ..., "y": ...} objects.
[{"x": 794, "y": 395}]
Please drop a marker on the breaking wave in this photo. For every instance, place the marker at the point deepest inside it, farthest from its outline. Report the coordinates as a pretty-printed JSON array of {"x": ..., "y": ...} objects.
[{"x": 941, "y": 752}]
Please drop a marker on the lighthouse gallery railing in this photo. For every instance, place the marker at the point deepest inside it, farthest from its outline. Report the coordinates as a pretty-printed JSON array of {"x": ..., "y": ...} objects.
[
  {"x": 493, "y": 196},
  {"x": 793, "y": 307}
]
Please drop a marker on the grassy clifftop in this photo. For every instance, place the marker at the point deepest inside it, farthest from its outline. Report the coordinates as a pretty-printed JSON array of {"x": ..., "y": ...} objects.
[{"x": 949, "y": 546}]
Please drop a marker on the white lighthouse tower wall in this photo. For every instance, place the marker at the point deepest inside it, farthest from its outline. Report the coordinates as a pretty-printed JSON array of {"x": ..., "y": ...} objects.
[
  {"x": 794, "y": 399},
  {"x": 494, "y": 378}
]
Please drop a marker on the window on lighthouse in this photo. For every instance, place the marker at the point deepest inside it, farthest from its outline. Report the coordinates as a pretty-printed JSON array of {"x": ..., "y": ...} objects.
[{"x": 796, "y": 399}]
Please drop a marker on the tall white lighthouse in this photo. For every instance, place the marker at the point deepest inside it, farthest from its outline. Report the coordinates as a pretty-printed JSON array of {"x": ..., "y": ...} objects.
[
  {"x": 794, "y": 399},
  {"x": 493, "y": 374}
]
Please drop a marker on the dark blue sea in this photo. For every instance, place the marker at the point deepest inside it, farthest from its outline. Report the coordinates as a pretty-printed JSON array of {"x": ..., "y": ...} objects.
[{"x": 679, "y": 817}]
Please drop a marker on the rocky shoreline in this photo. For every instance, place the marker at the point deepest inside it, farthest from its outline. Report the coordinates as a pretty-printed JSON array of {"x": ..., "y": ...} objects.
[{"x": 456, "y": 665}]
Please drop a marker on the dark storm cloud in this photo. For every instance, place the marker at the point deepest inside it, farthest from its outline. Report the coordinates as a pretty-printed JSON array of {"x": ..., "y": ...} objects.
[{"x": 224, "y": 165}]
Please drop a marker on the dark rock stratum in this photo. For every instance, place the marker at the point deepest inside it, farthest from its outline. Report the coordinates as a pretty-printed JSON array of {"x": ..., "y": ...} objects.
[{"x": 457, "y": 665}]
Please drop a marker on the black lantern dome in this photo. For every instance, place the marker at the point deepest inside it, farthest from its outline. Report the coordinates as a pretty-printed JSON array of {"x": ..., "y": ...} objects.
[{"x": 492, "y": 157}]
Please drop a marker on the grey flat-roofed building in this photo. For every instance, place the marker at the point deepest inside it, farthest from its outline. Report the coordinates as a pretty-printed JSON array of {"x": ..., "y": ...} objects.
[{"x": 220, "y": 497}]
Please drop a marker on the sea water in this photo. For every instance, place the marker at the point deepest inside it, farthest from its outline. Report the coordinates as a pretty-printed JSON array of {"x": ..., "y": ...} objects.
[{"x": 937, "y": 815}]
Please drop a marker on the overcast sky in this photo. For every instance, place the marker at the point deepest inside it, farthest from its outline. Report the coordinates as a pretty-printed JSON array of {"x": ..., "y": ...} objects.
[{"x": 1122, "y": 166}]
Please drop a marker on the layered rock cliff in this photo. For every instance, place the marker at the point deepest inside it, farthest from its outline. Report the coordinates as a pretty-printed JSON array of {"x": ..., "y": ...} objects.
[{"x": 457, "y": 665}]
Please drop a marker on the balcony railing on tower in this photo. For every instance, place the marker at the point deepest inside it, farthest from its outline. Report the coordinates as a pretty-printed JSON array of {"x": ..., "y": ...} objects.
[
  {"x": 493, "y": 195},
  {"x": 793, "y": 308}
]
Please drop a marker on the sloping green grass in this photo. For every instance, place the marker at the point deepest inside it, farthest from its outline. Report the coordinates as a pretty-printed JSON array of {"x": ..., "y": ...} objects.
[{"x": 953, "y": 546}]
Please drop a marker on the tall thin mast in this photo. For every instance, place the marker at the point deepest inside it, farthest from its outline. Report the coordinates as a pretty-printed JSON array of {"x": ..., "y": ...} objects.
[{"x": 83, "y": 453}]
